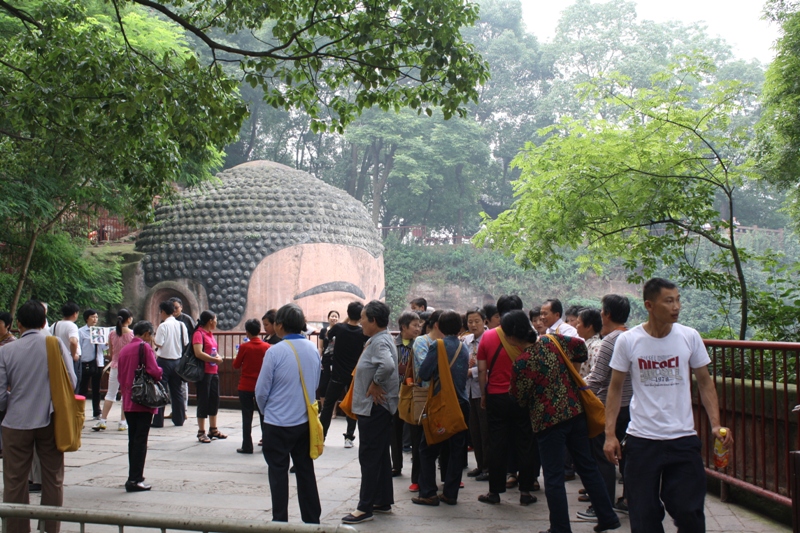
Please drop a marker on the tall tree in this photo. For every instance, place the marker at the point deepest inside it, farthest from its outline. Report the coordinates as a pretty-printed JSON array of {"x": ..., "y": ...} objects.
[
  {"x": 510, "y": 105},
  {"x": 642, "y": 187},
  {"x": 87, "y": 122},
  {"x": 779, "y": 130}
]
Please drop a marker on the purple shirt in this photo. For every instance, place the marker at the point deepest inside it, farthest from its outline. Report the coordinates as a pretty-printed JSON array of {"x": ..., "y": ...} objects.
[{"x": 128, "y": 363}]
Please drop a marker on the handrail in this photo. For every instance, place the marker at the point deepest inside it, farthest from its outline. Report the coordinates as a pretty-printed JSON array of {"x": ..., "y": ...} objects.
[
  {"x": 771, "y": 345},
  {"x": 159, "y": 521}
]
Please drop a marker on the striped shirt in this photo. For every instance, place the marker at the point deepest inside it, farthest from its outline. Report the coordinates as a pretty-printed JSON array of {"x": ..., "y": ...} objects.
[{"x": 600, "y": 378}]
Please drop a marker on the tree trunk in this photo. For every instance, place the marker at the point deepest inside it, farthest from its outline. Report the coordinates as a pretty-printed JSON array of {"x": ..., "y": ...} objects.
[
  {"x": 381, "y": 177},
  {"x": 23, "y": 273},
  {"x": 460, "y": 222},
  {"x": 353, "y": 177},
  {"x": 248, "y": 150},
  {"x": 362, "y": 175},
  {"x": 737, "y": 262}
]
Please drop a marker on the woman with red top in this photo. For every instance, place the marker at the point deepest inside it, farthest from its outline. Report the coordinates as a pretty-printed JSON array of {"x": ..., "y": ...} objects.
[
  {"x": 205, "y": 349},
  {"x": 138, "y": 416},
  {"x": 249, "y": 358}
]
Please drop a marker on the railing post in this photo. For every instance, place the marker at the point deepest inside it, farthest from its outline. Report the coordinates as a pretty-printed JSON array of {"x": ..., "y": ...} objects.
[{"x": 794, "y": 465}]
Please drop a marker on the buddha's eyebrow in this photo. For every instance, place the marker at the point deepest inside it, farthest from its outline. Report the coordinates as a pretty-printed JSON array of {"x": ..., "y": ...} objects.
[{"x": 332, "y": 286}]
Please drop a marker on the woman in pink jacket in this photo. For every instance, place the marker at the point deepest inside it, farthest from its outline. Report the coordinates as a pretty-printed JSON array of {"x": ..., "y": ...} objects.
[{"x": 139, "y": 417}]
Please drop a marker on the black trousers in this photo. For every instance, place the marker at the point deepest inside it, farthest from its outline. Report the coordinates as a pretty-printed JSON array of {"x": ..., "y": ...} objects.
[
  {"x": 375, "y": 431},
  {"x": 78, "y": 367},
  {"x": 247, "y": 399},
  {"x": 208, "y": 396},
  {"x": 607, "y": 469},
  {"x": 510, "y": 423},
  {"x": 279, "y": 444},
  {"x": 479, "y": 431},
  {"x": 332, "y": 395},
  {"x": 324, "y": 377},
  {"x": 90, "y": 373},
  {"x": 174, "y": 384},
  {"x": 663, "y": 474},
  {"x": 452, "y": 467},
  {"x": 397, "y": 442},
  {"x": 416, "y": 440},
  {"x": 138, "y": 431}
]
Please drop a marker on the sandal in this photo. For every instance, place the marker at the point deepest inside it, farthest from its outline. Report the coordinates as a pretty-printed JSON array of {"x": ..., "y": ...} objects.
[
  {"x": 511, "y": 481},
  {"x": 202, "y": 437},
  {"x": 215, "y": 434}
]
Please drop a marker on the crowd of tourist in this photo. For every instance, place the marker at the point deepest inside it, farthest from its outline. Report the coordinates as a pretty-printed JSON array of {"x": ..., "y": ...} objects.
[{"x": 519, "y": 380}]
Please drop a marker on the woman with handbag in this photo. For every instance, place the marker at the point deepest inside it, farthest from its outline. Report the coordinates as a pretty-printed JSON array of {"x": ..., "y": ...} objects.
[
  {"x": 205, "y": 349},
  {"x": 138, "y": 416},
  {"x": 542, "y": 381},
  {"x": 453, "y": 389}
]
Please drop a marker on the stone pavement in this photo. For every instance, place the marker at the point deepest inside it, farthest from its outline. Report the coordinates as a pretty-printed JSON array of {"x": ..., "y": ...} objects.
[{"x": 212, "y": 480}]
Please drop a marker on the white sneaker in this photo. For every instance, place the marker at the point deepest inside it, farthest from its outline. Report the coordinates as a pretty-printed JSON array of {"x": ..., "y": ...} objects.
[
  {"x": 348, "y": 443},
  {"x": 123, "y": 427},
  {"x": 100, "y": 426}
]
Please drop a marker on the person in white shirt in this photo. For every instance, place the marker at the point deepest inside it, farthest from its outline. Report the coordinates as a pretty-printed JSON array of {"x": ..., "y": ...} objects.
[
  {"x": 551, "y": 313},
  {"x": 170, "y": 339},
  {"x": 662, "y": 450},
  {"x": 92, "y": 361},
  {"x": 478, "y": 423},
  {"x": 66, "y": 330}
]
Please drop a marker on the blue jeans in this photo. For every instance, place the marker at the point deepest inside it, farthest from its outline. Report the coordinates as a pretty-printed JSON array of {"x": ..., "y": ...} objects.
[
  {"x": 571, "y": 435},
  {"x": 669, "y": 471}
]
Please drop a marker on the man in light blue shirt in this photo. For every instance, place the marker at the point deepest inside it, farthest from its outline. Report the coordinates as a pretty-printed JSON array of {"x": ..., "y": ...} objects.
[
  {"x": 92, "y": 362},
  {"x": 281, "y": 399}
]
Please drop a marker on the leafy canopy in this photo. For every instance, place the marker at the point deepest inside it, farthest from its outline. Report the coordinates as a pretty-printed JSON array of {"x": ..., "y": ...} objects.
[
  {"x": 86, "y": 122},
  {"x": 779, "y": 129},
  {"x": 641, "y": 187},
  {"x": 334, "y": 58}
]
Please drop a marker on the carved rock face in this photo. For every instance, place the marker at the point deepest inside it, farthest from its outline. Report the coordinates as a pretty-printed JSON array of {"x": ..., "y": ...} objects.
[{"x": 217, "y": 236}]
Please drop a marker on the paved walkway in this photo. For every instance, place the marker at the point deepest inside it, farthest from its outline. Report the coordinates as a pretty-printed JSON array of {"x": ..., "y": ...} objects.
[{"x": 212, "y": 480}]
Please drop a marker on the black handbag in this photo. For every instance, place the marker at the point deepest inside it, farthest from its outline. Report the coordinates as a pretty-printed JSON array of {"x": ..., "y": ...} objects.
[
  {"x": 190, "y": 368},
  {"x": 147, "y": 391}
]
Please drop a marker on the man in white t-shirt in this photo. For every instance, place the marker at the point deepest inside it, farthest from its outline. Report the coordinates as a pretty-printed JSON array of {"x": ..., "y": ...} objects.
[
  {"x": 171, "y": 337},
  {"x": 66, "y": 330},
  {"x": 662, "y": 450}
]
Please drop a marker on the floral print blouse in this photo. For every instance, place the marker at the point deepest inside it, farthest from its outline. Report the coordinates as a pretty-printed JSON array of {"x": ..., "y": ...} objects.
[
  {"x": 541, "y": 382},
  {"x": 593, "y": 347}
]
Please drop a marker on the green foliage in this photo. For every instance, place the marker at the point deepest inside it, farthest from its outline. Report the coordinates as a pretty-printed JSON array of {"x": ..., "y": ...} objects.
[
  {"x": 86, "y": 122},
  {"x": 642, "y": 186},
  {"x": 776, "y": 308},
  {"x": 483, "y": 271},
  {"x": 336, "y": 58},
  {"x": 64, "y": 269},
  {"x": 779, "y": 129}
]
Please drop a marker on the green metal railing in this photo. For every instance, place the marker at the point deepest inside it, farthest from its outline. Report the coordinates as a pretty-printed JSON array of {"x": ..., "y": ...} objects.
[{"x": 150, "y": 520}]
